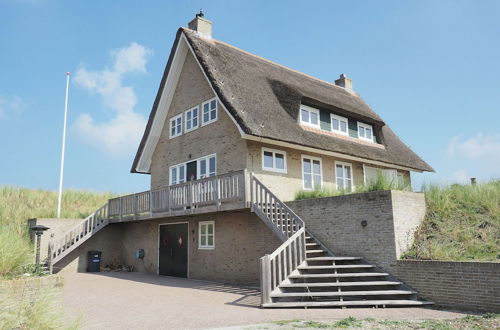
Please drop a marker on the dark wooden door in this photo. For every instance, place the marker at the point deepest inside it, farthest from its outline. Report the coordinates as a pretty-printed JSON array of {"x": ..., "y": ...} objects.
[
  {"x": 173, "y": 250},
  {"x": 191, "y": 171}
]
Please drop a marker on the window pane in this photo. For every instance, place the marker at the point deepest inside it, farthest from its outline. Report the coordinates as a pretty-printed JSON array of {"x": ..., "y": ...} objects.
[
  {"x": 347, "y": 170},
  {"x": 307, "y": 181},
  {"x": 340, "y": 183},
  {"x": 203, "y": 241},
  {"x": 335, "y": 124},
  {"x": 317, "y": 181},
  {"x": 188, "y": 115},
  {"x": 172, "y": 130},
  {"x": 210, "y": 241},
  {"x": 203, "y": 168},
  {"x": 203, "y": 229},
  {"x": 205, "y": 117},
  {"x": 340, "y": 171},
  {"x": 280, "y": 161},
  {"x": 211, "y": 164},
  {"x": 268, "y": 159},
  {"x": 361, "y": 131},
  {"x": 316, "y": 167},
  {"x": 306, "y": 164},
  {"x": 305, "y": 116},
  {"x": 195, "y": 113},
  {"x": 195, "y": 121},
  {"x": 174, "y": 175},
  {"x": 181, "y": 173},
  {"x": 212, "y": 104},
  {"x": 314, "y": 118},
  {"x": 343, "y": 126},
  {"x": 368, "y": 133},
  {"x": 348, "y": 185},
  {"x": 210, "y": 229}
]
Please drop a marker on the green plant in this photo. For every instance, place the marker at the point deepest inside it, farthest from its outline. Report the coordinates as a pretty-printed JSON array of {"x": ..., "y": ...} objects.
[
  {"x": 383, "y": 182},
  {"x": 15, "y": 251},
  {"x": 348, "y": 322},
  {"x": 462, "y": 222},
  {"x": 316, "y": 193}
]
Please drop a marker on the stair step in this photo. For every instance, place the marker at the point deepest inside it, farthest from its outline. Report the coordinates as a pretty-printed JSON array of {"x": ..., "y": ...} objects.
[
  {"x": 336, "y": 284},
  {"x": 335, "y": 267},
  {"x": 341, "y": 293},
  {"x": 332, "y": 258},
  {"x": 315, "y": 251},
  {"x": 312, "y": 244},
  {"x": 337, "y": 275},
  {"x": 347, "y": 303}
]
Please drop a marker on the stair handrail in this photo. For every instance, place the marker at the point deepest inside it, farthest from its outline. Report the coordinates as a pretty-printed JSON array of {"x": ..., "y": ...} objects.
[
  {"x": 58, "y": 247},
  {"x": 274, "y": 212},
  {"x": 289, "y": 227}
]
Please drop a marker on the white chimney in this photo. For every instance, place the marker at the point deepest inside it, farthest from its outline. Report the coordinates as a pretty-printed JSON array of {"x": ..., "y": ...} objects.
[
  {"x": 345, "y": 82},
  {"x": 201, "y": 25}
]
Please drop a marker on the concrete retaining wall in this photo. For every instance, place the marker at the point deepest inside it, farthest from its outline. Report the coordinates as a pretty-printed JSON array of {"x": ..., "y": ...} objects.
[
  {"x": 377, "y": 226},
  {"x": 473, "y": 286}
]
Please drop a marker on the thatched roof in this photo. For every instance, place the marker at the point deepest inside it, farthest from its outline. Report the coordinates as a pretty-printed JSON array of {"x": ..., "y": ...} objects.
[{"x": 264, "y": 99}]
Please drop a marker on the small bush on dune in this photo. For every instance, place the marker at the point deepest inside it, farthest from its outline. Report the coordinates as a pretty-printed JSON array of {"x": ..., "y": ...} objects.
[{"x": 15, "y": 251}]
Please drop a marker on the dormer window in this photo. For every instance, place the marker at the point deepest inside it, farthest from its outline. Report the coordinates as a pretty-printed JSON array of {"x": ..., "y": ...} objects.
[
  {"x": 309, "y": 116},
  {"x": 365, "y": 132},
  {"x": 209, "y": 111},
  {"x": 339, "y": 124}
]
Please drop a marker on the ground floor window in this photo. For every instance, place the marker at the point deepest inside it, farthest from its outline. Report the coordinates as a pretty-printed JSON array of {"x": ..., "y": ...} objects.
[
  {"x": 311, "y": 172},
  {"x": 206, "y": 235},
  {"x": 372, "y": 173},
  {"x": 273, "y": 160},
  {"x": 343, "y": 176},
  {"x": 178, "y": 174}
]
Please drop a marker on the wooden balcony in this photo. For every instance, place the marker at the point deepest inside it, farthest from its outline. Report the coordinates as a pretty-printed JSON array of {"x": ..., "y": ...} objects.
[{"x": 217, "y": 193}]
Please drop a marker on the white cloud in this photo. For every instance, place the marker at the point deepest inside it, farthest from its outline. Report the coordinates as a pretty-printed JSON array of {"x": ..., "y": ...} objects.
[
  {"x": 11, "y": 106},
  {"x": 479, "y": 146},
  {"x": 122, "y": 133}
]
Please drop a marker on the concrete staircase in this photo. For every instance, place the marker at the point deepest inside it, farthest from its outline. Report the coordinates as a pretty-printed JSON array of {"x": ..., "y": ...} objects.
[
  {"x": 302, "y": 272},
  {"x": 324, "y": 280}
]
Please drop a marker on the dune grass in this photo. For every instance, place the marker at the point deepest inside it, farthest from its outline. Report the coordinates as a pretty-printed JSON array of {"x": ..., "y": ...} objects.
[
  {"x": 19, "y": 204},
  {"x": 462, "y": 223}
]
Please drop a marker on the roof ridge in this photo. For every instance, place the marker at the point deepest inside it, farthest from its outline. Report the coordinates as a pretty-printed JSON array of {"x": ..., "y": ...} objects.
[{"x": 272, "y": 62}]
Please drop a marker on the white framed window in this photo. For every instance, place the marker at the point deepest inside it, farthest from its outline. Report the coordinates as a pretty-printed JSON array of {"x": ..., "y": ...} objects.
[
  {"x": 177, "y": 174},
  {"x": 312, "y": 174},
  {"x": 343, "y": 176},
  {"x": 209, "y": 111},
  {"x": 372, "y": 173},
  {"x": 176, "y": 126},
  {"x": 273, "y": 160},
  {"x": 207, "y": 166},
  {"x": 365, "y": 131},
  {"x": 339, "y": 124},
  {"x": 206, "y": 237},
  {"x": 191, "y": 119},
  {"x": 309, "y": 116}
]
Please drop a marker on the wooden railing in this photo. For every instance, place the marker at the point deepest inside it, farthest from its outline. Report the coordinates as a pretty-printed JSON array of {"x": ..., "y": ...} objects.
[
  {"x": 277, "y": 266},
  {"x": 275, "y": 214},
  {"x": 72, "y": 238},
  {"x": 289, "y": 227},
  {"x": 190, "y": 197}
]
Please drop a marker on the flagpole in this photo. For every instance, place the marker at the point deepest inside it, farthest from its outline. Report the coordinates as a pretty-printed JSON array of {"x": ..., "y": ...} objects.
[{"x": 59, "y": 200}]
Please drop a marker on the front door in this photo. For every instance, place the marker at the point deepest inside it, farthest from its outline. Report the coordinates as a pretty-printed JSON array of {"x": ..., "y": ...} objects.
[
  {"x": 173, "y": 250},
  {"x": 191, "y": 171}
]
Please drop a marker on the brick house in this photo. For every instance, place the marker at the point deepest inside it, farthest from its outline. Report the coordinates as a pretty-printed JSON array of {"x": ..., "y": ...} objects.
[{"x": 231, "y": 137}]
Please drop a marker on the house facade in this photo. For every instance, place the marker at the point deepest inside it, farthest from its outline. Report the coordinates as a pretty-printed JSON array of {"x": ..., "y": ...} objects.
[{"x": 231, "y": 137}]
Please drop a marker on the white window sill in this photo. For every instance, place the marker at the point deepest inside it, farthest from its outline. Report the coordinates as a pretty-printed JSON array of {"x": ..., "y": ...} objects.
[
  {"x": 268, "y": 169},
  {"x": 206, "y": 247},
  {"x": 209, "y": 122}
]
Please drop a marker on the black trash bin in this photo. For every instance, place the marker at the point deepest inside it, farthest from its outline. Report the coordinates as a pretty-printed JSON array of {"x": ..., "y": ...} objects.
[{"x": 94, "y": 261}]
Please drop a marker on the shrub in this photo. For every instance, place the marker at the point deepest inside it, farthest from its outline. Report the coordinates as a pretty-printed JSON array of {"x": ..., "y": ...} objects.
[{"x": 15, "y": 251}]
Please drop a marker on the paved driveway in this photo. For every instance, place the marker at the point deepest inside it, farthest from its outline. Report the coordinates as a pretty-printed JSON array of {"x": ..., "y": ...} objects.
[{"x": 140, "y": 301}]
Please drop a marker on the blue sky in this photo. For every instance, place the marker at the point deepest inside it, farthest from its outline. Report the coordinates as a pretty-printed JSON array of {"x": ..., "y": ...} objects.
[{"x": 431, "y": 69}]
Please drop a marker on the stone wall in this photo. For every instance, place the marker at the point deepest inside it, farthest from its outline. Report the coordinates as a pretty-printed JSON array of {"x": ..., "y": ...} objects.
[
  {"x": 377, "y": 226},
  {"x": 241, "y": 239},
  {"x": 473, "y": 286}
]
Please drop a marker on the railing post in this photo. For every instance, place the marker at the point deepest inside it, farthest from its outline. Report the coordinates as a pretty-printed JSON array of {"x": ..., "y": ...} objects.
[
  {"x": 265, "y": 280},
  {"x": 49, "y": 257},
  {"x": 217, "y": 192},
  {"x": 190, "y": 195},
  {"x": 121, "y": 209},
  {"x": 151, "y": 204},
  {"x": 251, "y": 192}
]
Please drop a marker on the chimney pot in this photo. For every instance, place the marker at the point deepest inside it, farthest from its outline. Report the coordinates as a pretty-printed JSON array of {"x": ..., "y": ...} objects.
[
  {"x": 344, "y": 82},
  {"x": 201, "y": 25}
]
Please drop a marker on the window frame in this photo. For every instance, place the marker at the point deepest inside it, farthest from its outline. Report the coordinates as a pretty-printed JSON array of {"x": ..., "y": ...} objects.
[
  {"x": 309, "y": 109},
  {"x": 274, "y": 168},
  {"x": 339, "y": 118},
  {"x": 174, "y": 118},
  {"x": 206, "y": 246},
  {"x": 312, "y": 172},
  {"x": 177, "y": 166},
  {"x": 186, "y": 129},
  {"x": 365, "y": 126},
  {"x": 353, "y": 188},
  {"x": 203, "y": 122},
  {"x": 207, "y": 166}
]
